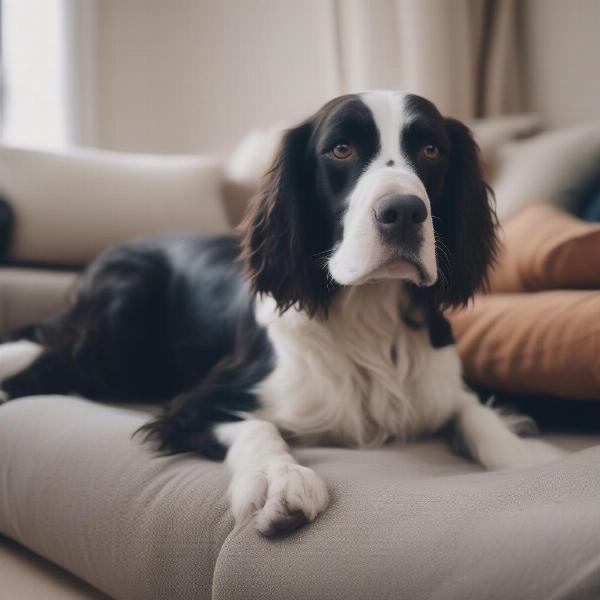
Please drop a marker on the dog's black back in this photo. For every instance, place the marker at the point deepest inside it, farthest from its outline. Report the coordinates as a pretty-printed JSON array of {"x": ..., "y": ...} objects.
[{"x": 151, "y": 319}]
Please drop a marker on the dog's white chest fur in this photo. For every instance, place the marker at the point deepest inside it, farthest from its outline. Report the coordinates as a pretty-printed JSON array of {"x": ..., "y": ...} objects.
[{"x": 361, "y": 375}]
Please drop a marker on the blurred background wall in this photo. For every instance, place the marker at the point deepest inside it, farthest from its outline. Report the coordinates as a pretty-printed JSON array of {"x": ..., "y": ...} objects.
[
  {"x": 179, "y": 76},
  {"x": 562, "y": 60},
  {"x": 191, "y": 75}
]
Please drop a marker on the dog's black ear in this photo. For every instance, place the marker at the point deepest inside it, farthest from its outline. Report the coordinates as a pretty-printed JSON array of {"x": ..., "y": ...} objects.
[
  {"x": 465, "y": 223},
  {"x": 284, "y": 235}
]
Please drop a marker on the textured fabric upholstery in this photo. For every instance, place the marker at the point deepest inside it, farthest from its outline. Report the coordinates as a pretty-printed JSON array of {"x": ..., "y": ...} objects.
[
  {"x": 417, "y": 522},
  {"x": 405, "y": 522},
  {"x": 77, "y": 490}
]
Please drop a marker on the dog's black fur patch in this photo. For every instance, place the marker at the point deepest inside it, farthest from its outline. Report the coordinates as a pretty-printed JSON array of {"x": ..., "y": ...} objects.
[{"x": 6, "y": 225}]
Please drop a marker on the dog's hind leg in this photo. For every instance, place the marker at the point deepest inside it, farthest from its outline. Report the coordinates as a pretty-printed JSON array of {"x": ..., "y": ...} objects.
[
  {"x": 491, "y": 439},
  {"x": 111, "y": 341},
  {"x": 16, "y": 357},
  {"x": 29, "y": 369}
]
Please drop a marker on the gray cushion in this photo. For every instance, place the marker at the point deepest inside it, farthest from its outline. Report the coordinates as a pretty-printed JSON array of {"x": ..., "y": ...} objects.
[
  {"x": 416, "y": 522},
  {"x": 405, "y": 522},
  {"x": 76, "y": 489}
]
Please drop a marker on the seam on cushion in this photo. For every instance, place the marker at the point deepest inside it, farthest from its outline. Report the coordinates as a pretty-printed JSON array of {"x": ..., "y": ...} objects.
[
  {"x": 559, "y": 248},
  {"x": 233, "y": 534},
  {"x": 529, "y": 273},
  {"x": 49, "y": 267},
  {"x": 551, "y": 348},
  {"x": 218, "y": 554},
  {"x": 153, "y": 491}
]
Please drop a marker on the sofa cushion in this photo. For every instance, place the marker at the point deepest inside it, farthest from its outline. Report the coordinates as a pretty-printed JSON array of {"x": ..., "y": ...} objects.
[
  {"x": 543, "y": 343},
  {"x": 558, "y": 166},
  {"x": 69, "y": 205},
  {"x": 544, "y": 248},
  {"x": 79, "y": 491},
  {"x": 418, "y": 522},
  {"x": 492, "y": 133},
  {"x": 405, "y": 521}
]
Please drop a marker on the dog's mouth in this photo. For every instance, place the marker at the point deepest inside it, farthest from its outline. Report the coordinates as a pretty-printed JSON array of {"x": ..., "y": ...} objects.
[
  {"x": 383, "y": 264},
  {"x": 406, "y": 267}
]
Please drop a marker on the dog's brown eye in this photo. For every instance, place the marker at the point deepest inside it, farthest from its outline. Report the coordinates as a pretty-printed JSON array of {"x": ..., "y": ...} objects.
[
  {"x": 430, "y": 152},
  {"x": 342, "y": 151}
]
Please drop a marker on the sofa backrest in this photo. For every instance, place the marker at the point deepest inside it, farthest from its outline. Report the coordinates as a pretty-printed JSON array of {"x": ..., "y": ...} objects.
[{"x": 69, "y": 205}]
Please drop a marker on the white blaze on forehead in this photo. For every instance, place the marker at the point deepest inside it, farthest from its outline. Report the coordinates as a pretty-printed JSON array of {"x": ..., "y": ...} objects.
[{"x": 389, "y": 116}]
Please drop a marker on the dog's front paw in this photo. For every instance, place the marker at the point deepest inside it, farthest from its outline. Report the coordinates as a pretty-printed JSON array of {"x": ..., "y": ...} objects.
[
  {"x": 283, "y": 498},
  {"x": 526, "y": 453},
  {"x": 296, "y": 495}
]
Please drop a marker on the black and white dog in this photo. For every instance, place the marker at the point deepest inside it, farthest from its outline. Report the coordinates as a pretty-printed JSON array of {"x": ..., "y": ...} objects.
[{"x": 328, "y": 329}]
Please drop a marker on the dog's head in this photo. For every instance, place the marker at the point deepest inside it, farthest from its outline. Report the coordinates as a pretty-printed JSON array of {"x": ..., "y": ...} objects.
[{"x": 373, "y": 186}]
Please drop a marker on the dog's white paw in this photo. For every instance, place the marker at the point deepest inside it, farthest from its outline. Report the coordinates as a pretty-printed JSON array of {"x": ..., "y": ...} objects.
[
  {"x": 17, "y": 356},
  {"x": 525, "y": 453},
  {"x": 282, "y": 499},
  {"x": 296, "y": 495}
]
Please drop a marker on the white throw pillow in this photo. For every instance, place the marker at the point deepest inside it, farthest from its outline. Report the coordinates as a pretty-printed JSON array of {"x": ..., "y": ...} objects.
[
  {"x": 491, "y": 133},
  {"x": 253, "y": 155},
  {"x": 557, "y": 166},
  {"x": 69, "y": 205}
]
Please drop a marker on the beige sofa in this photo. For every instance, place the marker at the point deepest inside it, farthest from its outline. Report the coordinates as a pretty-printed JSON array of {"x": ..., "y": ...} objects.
[{"x": 93, "y": 513}]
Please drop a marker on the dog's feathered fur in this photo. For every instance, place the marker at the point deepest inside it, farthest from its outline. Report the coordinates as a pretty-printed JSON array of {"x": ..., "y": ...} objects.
[{"x": 321, "y": 323}]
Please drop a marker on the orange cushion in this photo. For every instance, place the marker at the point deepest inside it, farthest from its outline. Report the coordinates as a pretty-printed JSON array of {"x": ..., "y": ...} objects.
[
  {"x": 546, "y": 343},
  {"x": 544, "y": 248}
]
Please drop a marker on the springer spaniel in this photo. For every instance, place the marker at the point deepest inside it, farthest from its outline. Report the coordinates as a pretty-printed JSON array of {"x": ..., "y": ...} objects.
[{"x": 320, "y": 324}]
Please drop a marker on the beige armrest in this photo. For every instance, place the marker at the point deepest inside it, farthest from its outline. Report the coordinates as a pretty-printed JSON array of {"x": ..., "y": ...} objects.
[{"x": 29, "y": 295}]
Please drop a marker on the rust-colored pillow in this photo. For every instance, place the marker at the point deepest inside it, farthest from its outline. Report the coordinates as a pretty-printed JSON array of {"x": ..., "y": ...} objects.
[
  {"x": 543, "y": 343},
  {"x": 544, "y": 248}
]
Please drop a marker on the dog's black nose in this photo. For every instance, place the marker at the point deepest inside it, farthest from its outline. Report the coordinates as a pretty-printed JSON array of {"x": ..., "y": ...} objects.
[{"x": 397, "y": 215}]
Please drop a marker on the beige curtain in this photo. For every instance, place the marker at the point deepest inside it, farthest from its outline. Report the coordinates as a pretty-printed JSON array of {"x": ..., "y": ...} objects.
[{"x": 462, "y": 54}]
